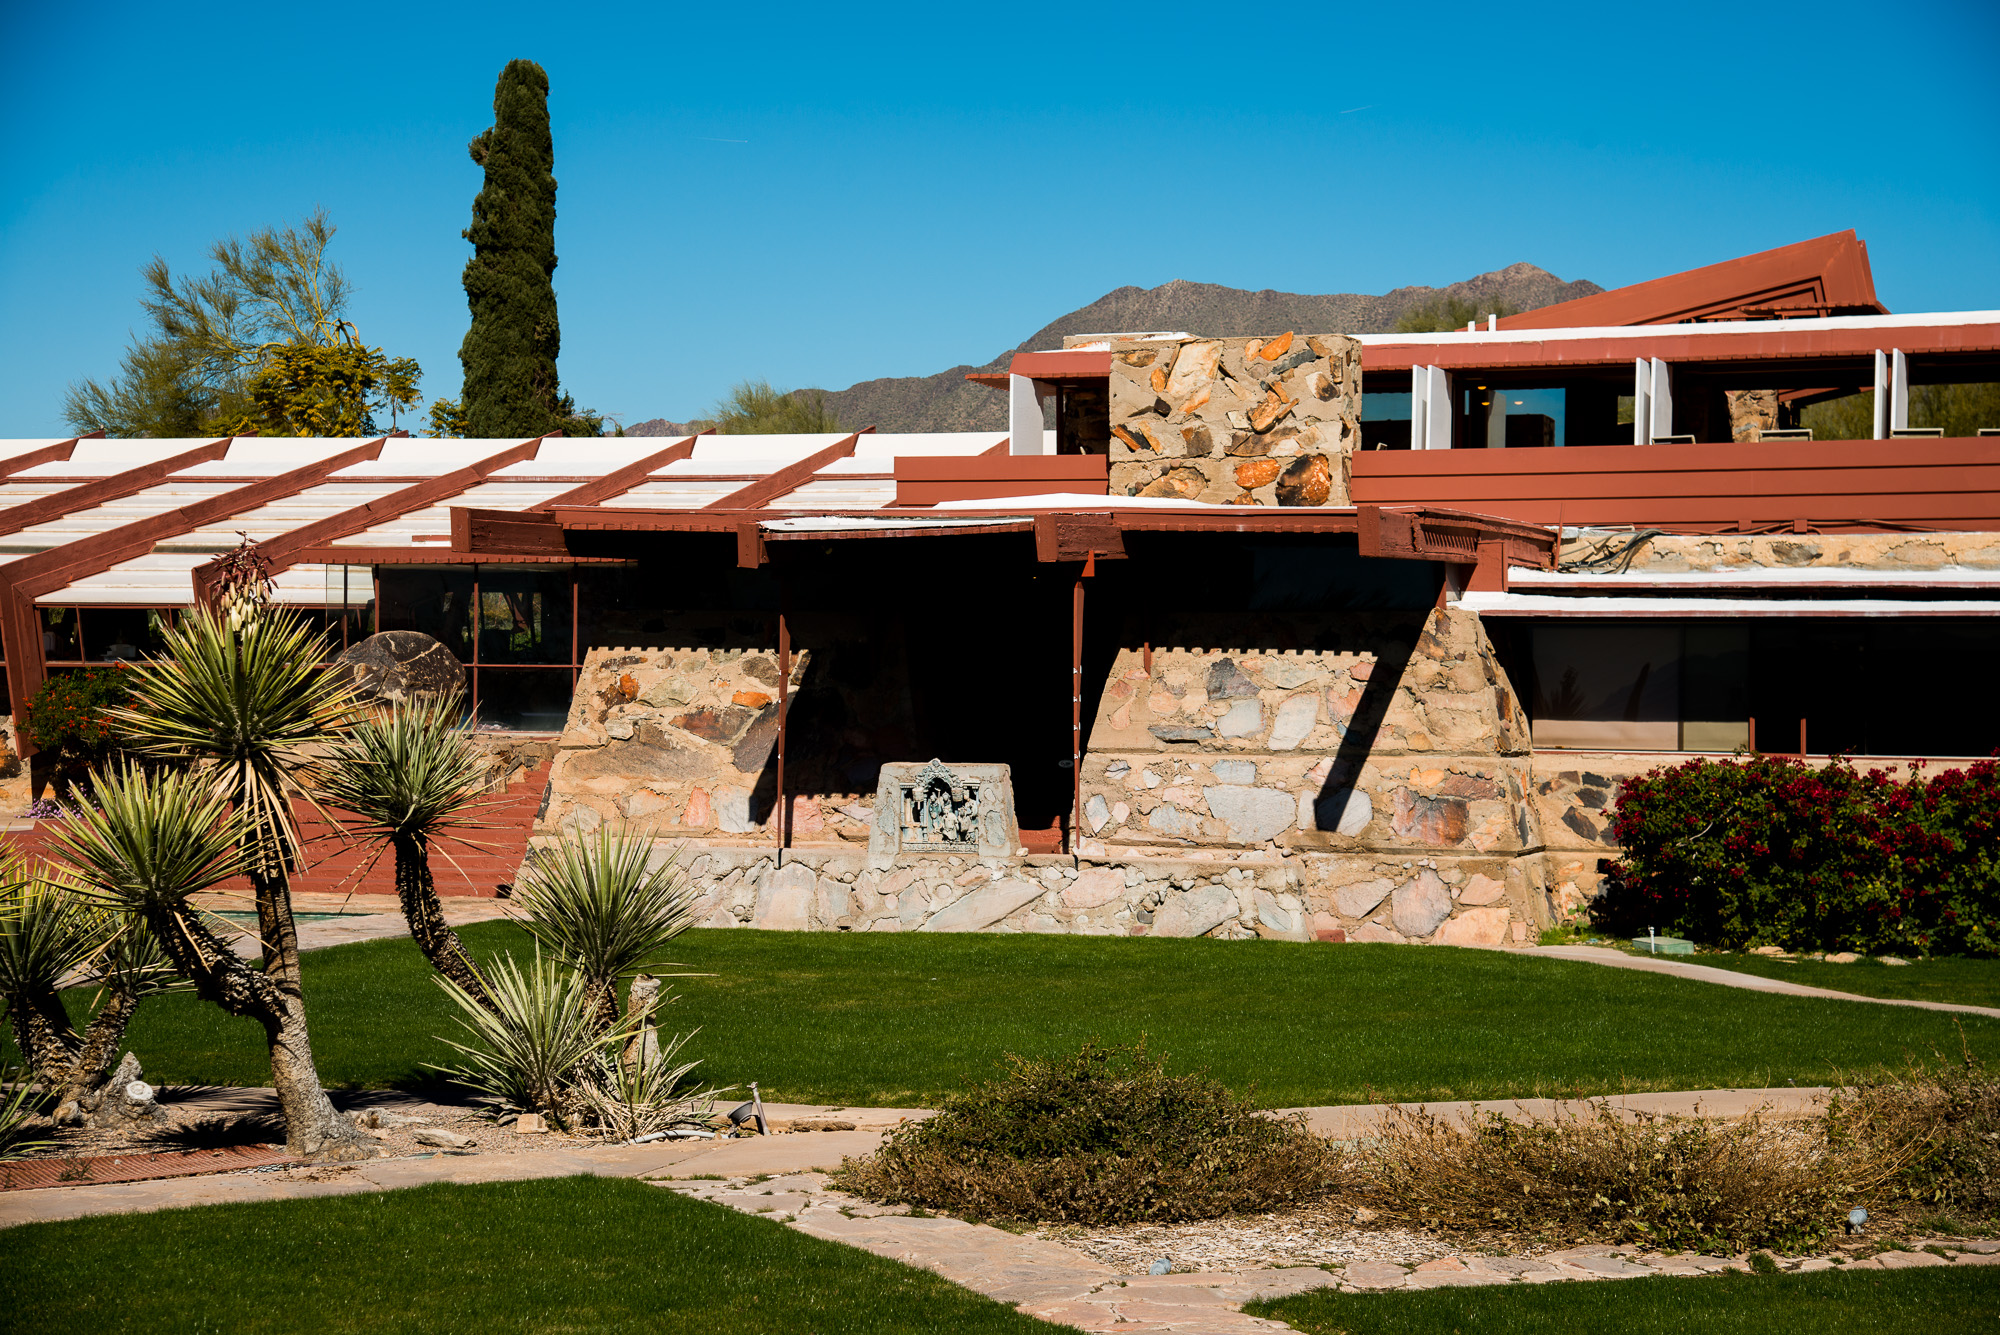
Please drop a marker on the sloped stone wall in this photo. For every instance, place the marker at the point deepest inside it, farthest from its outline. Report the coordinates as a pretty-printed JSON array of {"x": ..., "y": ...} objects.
[
  {"x": 1236, "y": 421},
  {"x": 1672, "y": 553}
]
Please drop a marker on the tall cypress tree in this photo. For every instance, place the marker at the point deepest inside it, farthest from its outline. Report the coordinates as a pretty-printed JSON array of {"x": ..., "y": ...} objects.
[{"x": 509, "y": 353}]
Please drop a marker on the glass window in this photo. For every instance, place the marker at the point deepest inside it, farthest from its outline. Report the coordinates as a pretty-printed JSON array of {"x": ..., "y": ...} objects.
[
  {"x": 125, "y": 634},
  {"x": 524, "y": 615},
  {"x": 518, "y": 699},
  {"x": 1608, "y": 687},
  {"x": 434, "y": 600},
  {"x": 62, "y": 637}
]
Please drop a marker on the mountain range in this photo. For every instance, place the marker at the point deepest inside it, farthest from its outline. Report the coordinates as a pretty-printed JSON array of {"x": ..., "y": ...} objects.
[{"x": 946, "y": 401}]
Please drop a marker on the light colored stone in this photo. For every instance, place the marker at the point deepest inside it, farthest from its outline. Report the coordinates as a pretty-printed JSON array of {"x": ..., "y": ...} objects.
[
  {"x": 1475, "y": 927},
  {"x": 1288, "y": 674},
  {"x": 1094, "y": 887},
  {"x": 732, "y": 810},
  {"x": 986, "y": 906},
  {"x": 441, "y": 1138},
  {"x": 1235, "y": 771},
  {"x": 1245, "y": 718},
  {"x": 1374, "y": 932},
  {"x": 1196, "y": 913},
  {"x": 1172, "y": 822},
  {"x": 1296, "y": 719},
  {"x": 1097, "y": 812},
  {"x": 785, "y": 900},
  {"x": 1481, "y": 889},
  {"x": 1420, "y": 904},
  {"x": 1254, "y": 815},
  {"x": 1359, "y": 899}
]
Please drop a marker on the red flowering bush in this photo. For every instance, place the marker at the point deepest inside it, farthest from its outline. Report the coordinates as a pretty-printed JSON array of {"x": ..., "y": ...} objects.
[
  {"x": 68, "y": 718},
  {"x": 1769, "y": 851}
]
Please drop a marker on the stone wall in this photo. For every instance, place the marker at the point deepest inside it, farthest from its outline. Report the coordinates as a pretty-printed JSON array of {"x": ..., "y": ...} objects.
[
  {"x": 1236, "y": 421},
  {"x": 1675, "y": 552},
  {"x": 1370, "y": 785}
]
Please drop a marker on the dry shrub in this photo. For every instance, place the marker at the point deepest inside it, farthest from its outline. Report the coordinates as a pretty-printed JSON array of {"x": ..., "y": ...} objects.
[
  {"x": 1928, "y": 1137},
  {"x": 1103, "y": 1136},
  {"x": 1924, "y": 1137},
  {"x": 1668, "y": 1182}
]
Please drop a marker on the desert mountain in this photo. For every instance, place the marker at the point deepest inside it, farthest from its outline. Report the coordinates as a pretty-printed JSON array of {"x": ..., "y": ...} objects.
[{"x": 946, "y": 401}]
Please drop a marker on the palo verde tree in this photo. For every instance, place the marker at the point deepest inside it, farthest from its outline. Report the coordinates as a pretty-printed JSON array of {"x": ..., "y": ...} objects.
[
  {"x": 260, "y": 343},
  {"x": 509, "y": 353}
]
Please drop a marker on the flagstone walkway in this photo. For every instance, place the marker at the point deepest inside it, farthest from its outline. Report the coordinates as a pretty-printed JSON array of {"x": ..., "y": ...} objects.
[{"x": 1749, "y": 982}]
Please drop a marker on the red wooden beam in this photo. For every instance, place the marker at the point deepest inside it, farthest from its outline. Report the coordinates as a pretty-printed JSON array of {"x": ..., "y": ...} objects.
[
  {"x": 48, "y": 454},
  {"x": 26, "y": 579},
  {"x": 789, "y": 478},
  {"x": 621, "y": 480},
  {"x": 89, "y": 495},
  {"x": 286, "y": 550}
]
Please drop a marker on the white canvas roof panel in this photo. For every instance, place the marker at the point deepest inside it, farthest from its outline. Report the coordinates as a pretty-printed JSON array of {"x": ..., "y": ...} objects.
[{"x": 93, "y": 459}]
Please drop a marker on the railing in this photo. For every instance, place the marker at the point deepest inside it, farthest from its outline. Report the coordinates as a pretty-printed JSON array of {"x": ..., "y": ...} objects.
[{"x": 1853, "y": 484}]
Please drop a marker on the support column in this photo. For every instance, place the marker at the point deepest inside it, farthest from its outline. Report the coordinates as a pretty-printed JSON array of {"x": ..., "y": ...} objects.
[
  {"x": 784, "y": 700},
  {"x": 1881, "y": 395},
  {"x": 1660, "y": 403},
  {"x": 1899, "y": 391},
  {"x": 1642, "y": 416},
  {"x": 1025, "y": 432},
  {"x": 1076, "y": 706}
]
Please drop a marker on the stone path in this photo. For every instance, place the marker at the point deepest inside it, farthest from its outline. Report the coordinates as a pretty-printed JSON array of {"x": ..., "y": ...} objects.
[
  {"x": 363, "y": 917},
  {"x": 1750, "y": 982}
]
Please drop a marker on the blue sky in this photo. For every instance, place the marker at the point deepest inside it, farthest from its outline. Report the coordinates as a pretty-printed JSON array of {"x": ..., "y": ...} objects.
[{"x": 823, "y": 194}]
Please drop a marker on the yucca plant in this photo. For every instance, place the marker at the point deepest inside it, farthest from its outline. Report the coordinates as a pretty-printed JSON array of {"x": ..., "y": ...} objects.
[
  {"x": 408, "y": 778},
  {"x": 152, "y": 843},
  {"x": 52, "y": 935},
  {"x": 536, "y": 1037},
  {"x": 597, "y": 902},
  {"x": 643, "y": 1092}
]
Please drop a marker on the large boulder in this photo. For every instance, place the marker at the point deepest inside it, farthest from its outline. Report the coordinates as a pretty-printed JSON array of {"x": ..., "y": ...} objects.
[{"x": 399, "y": 665}]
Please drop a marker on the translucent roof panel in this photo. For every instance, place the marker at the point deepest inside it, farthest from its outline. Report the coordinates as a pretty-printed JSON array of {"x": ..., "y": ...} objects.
[
  {"x": 108, "y": 458},
  {"x": 888, "y": 445},
  {"x": 421, "y": 458},
  {"x": 258, "y": 456}
]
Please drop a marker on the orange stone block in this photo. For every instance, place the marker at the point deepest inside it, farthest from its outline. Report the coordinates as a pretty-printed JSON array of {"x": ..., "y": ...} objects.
[
  {"x": 751, "y": 699},
  {"x": 1254, "y": 473},
  {"x": 1276, "y": 348}
]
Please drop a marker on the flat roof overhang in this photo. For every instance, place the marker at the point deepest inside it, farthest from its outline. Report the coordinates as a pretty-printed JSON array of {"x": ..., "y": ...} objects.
[{"x": 1061, "y": 533}]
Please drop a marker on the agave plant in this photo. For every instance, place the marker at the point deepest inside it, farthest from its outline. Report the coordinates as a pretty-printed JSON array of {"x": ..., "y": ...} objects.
[
  {"x": 409, "y": 778},
  {"x": 153, "y": 842},
  {"x": 53, "y": 934},
  {"x": 16, "y": 1115},
  {"x": 597, "y": 902},
  {"x": 536, "y": 1034}
]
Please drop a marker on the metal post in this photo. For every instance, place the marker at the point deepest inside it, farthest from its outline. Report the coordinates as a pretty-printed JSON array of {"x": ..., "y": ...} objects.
[
  {"x": 475, "y": 641},
  {"x": 784, "y": 699},
  {"x": 1076, "y": 707},
  {"x": 575, "y": 614}
]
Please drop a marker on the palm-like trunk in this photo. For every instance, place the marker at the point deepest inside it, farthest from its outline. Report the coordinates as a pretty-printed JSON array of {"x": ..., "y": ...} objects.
[
  {"x": 99, "y": 1049},
  {"x": 69, "y": 1067},
  {"x": 42, "y": 1031},
  {"x": 425, "y": 915},
  {"x": 272, "y": 997}
]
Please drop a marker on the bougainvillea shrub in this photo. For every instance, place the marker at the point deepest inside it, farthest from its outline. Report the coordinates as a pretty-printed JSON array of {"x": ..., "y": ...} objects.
[{"x": 1770, "y": 851}]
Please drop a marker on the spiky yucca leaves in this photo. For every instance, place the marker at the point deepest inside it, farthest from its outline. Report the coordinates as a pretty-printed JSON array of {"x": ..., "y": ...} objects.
[
  {"x": 151, "y": 844},
  {"x": 52, "y": 934},
  {"x": 16, "y": 1116},
  {"x": 536, "y": 1037},
  {"x": 410, "y": 777},
  {"x": 596, "y": 902}
]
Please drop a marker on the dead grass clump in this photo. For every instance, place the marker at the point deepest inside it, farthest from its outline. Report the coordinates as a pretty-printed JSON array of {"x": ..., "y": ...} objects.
[
  {"x": 1667, "y": 1182},
  {"x": 1105, "y": 1136}
]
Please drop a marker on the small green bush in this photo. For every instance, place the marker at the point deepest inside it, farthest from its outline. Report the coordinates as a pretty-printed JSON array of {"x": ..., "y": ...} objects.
[
  {"x": 1769, "y": 851},
  {"x": 1102, "y": 1136}
]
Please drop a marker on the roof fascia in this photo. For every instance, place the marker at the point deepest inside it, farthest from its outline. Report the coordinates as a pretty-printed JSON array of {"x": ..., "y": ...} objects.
[{"x": 88, "y": 495}]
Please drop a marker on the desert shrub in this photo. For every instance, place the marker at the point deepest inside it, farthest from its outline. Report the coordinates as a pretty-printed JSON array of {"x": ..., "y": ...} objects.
[
  {"x": 1104, "y": 1135},
  {"x": 1659, "y": 1181},
  {"x": 1769, "y": 851}
]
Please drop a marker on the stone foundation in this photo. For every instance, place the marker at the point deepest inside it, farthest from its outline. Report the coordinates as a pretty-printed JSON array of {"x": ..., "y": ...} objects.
[{"x": 1673, "y": 553}]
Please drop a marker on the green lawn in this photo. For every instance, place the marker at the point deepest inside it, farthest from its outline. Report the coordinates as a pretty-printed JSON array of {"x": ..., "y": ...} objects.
[
  {"x": 894, "y": 1020},
  {"x": 577, "y": 1254},
  {"x": 1967, "y": 982},
  {"x": 1867, "y": 1302}
]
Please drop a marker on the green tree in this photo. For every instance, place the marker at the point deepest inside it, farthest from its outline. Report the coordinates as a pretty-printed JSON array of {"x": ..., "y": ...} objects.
[
  {"x": 258, "y": 343},
  {"x": 509, "y": 353},
  {"x": 1444, "y": 314},
  {"x": 753, "y": 408},
  {"x": 1962, "y": 410}
]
